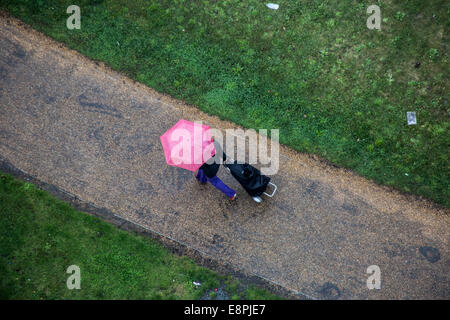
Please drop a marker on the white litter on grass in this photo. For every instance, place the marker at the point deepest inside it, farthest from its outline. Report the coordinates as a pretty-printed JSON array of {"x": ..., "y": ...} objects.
[
  {"x": 273, "y": 6},
  {"x": 411, "y": 118},
  {"x": 198, "y": 284}
]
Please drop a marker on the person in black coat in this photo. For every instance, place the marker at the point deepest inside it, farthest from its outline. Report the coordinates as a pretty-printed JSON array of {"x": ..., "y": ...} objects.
[{"x": 208, "y": 172}]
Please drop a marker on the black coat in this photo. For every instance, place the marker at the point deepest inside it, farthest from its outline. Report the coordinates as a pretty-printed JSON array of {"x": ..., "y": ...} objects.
[
  {"x": 210, "y": 170},
  {"x": 211, "y": 167}
]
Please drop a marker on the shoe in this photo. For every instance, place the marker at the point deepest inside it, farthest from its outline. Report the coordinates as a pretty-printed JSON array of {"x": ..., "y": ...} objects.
[
  {"x": 257, "y": 199},
  {"x": 234, "y": 197}
]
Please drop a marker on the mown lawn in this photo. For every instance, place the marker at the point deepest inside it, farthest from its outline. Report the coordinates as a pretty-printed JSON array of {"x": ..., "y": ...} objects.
[
  {"x": 41, "y": 236},
  {"x": 312, "y": 69}
]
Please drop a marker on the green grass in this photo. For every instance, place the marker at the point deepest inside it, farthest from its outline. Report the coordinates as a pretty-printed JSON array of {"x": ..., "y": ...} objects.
[
  {"x": 311, "y": 68},
  {"x": 41, "y": 237}
]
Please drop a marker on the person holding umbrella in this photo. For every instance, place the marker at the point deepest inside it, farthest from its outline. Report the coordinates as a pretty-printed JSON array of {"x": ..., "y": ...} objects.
[
  {"x": 189, "y": 145},
  {"x": 208, "y": 172}
]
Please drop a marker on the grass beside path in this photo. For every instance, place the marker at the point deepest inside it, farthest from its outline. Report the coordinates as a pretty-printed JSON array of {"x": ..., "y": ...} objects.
[
  {"x": 41, "y": 237},
  {"x": 311, "y": 68}
]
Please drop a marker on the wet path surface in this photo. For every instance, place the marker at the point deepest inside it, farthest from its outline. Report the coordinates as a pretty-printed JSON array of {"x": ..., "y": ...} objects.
[{"x": 94, "y": 133}]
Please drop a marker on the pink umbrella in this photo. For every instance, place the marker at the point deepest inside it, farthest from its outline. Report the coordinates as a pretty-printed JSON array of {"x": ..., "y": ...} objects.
[{"x": 188, "y": 145}]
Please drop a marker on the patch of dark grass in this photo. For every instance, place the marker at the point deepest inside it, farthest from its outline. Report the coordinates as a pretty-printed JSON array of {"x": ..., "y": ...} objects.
[{"x": 311, "y": 68}]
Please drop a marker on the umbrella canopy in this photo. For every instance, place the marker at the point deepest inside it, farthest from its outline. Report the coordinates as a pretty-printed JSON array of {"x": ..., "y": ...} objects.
[{"x": 188, "y": 145}]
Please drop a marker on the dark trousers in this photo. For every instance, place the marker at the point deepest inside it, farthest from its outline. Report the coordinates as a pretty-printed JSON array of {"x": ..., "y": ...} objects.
[{"x": 216, "y": 182}]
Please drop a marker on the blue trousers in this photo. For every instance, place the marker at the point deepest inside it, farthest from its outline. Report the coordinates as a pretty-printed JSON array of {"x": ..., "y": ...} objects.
[{"x": 216, "y": 182}]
